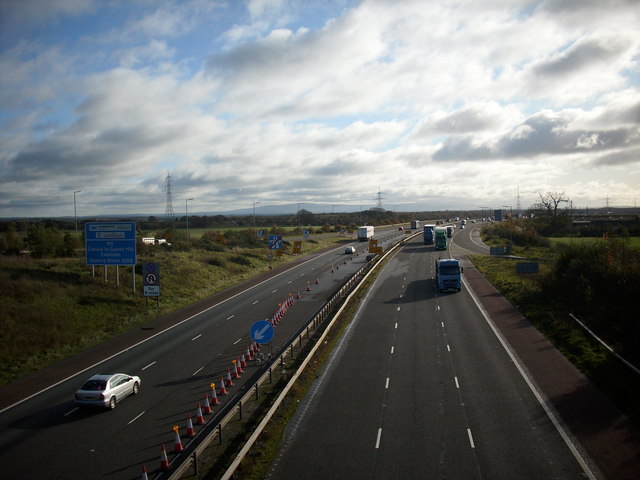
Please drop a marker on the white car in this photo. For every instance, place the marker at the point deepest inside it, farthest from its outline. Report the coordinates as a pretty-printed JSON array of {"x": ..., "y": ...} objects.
[
  {"x": 350, "y": 250},
  {"x": 107, "y": 389}
]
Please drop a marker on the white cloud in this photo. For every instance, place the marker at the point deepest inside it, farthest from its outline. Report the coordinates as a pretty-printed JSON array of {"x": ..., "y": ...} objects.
[{"x": 286, "y": 102}]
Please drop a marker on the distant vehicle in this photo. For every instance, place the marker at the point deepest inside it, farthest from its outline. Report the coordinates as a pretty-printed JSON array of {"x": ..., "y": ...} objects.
[
  {"x": 350, "y": 250},
  {"x": 428, "y": 234},
  {"x": 400, "y": 228},
  {"x": 448, "y": 274},
  {"x": 415, "y": 224},
  {"x": 441, "y": 238},
  {"x": 462, "y": 226},
  {"x": 370, "y": 257},
  {"x": 107, "y": 389},
  {"x": 449, "y": 231},
  {"x": 365, "y": 233}
]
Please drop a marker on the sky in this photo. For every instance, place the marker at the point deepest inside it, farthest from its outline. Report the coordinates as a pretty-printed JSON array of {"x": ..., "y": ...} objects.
[{"x": 418, "y": 104}]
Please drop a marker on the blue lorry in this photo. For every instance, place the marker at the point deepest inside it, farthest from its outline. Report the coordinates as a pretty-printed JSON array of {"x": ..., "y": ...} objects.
[
  {"x": 449, "y": 274},
  {"x": 428, "y": 234}
]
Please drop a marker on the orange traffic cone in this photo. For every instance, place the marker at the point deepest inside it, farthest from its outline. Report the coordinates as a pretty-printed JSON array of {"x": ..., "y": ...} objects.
[
  {"x": 223, "y": 390},
  {"x": 164, "y": 462},
  {"x": 243, "y": 362},
  {"x": 207, "y": 407},
  {"x": 308, "y": 286},
  {"x": 298, "y": 297},
  {"x": 177, "y": 443},
  {"x": 190, "y": 430},
  {"x": 317, "y": 281},
  {"x": 199, "y": 417},
  {"x": 249, "y": 355},
  {"x": 228, "y": 382},
  {"x": 214, "y": 396},
  {"x": 144, "y": 473}
]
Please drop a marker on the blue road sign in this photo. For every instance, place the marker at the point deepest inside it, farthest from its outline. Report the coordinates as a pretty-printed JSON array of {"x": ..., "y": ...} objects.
[
  {"x": 275, "y": 242},
  {"x": 110, "y": 243},
  {"x": 261, "y": 332}
]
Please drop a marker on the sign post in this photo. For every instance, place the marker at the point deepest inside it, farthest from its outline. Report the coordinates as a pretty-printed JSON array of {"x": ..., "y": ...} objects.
[{"x": 151, "y": 278}]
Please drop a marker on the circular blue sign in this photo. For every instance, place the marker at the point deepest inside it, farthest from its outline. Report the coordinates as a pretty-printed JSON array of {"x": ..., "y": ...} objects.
[{"x": 261, "y": 332}]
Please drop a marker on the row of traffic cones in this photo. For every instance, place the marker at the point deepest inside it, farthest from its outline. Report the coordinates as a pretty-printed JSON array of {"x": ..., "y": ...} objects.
[
  {"x": 209, "y": 401},
  {"x": 283, "y": 307}
]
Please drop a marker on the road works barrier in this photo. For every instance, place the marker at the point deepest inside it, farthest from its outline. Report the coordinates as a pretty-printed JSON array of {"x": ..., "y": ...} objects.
[{"x": 320, "y": 322}]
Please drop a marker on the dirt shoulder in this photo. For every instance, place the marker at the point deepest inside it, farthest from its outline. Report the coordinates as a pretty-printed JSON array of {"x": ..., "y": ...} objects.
[{"x": 610, "y": 438}]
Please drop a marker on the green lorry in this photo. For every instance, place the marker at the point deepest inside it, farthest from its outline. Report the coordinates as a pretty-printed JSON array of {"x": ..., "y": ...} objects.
[{"x": 441, "y": 238}]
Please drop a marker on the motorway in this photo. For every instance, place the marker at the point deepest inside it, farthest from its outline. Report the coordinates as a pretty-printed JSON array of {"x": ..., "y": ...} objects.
[
  {"x": 421, "y": 387},
  {"x": 45, "y": 436}
]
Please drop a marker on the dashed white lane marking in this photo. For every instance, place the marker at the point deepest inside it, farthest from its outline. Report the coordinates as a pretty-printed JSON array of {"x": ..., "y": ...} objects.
[
  {"x": 457, "y": 384},
  {"x": 256, "y": 302},
  {"x": 448, "y": 348},
  {"x": 378, "y": 439},
  {"x": 392, "y": 348},
  {"x": 237, "y": 341},
  {"x": 137, "y": 417},
  {"x": 387, "y": 383},
  {"x": 473, "y": 445},
  {"x": 229, "y": 318},
  {"x": 196, "y": 337},
  {"x": 71, "y": 411},
  {"x": 197, "y": 371},
  {"x": 152, "y": 363}
]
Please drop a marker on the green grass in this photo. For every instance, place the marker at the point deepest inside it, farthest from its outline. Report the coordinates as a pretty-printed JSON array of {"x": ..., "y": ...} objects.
[
  {"x": 547, "y": 312},
  {"x": 629, "y": 241},
  {"x": 53, "y": 308}
]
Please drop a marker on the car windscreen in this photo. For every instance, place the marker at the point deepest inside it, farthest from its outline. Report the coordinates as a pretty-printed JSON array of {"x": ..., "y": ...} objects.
[{"x": 94, "y": 385}]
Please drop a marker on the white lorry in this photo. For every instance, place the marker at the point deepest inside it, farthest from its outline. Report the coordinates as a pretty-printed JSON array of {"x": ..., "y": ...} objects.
[{"x": 365, "y": 233}]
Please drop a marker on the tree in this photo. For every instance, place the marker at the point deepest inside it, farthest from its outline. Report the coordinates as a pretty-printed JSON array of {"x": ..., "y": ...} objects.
[{"x": 550, "y": 202}]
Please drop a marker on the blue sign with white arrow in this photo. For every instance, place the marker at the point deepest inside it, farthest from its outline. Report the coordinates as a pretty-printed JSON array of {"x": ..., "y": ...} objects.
[{"x": 261, "y": 332}]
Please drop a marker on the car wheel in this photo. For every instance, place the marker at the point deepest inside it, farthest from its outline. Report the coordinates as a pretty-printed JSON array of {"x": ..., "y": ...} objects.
[
  {"x": 136, "y": 387},
  {"x": 112, "y": 403}
]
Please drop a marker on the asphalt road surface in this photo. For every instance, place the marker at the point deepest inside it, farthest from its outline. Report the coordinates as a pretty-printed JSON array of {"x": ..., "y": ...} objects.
[
  {"x": 44, "y": 435},
  {"x": 421, "y": 387}
]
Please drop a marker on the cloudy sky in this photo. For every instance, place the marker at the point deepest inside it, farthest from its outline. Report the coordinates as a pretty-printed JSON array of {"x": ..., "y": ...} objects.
[{"x": 441, "y": 104}]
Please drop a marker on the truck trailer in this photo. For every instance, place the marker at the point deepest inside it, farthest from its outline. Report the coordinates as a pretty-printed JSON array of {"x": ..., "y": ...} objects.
[
  {"x": 441, "y": 238},
  {"x": 449, "y": 274},
  {"x": 365, "y": 233},
  {"x": 428, "y": 234},
  {"x": 415, "y": 224}
]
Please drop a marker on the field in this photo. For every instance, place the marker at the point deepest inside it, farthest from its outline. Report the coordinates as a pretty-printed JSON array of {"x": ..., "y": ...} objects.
[{"x": 630, "y": 241}]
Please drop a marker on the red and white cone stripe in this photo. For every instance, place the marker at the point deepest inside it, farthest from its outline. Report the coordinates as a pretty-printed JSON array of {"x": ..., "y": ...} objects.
[
  {"x": 207, "y": 407},
  {"x": 214, "y": 395},
  {"x": 191, "y": 432},
  {"x": 199, "y": 417},
  {"x": 164, "y": 461},
  {"x": 223, "y": 390},
  {"x": 177, "y": 444}
]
